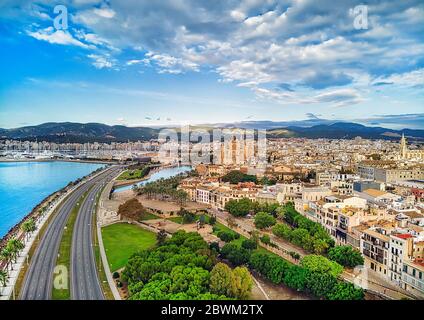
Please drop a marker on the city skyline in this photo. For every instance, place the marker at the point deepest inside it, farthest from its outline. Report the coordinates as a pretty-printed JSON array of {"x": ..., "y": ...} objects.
[{"x": 252, "y": 61}]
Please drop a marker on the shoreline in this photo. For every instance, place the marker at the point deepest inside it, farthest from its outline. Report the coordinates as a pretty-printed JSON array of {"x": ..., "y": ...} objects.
[{"x": 14, "y": 230}]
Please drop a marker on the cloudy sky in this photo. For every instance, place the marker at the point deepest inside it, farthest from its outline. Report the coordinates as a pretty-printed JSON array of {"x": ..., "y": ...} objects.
[{"x": 149, "y": 62}]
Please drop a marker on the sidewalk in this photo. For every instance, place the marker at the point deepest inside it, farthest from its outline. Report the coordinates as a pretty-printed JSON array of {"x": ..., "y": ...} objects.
[{"x": 105, "y": 217}]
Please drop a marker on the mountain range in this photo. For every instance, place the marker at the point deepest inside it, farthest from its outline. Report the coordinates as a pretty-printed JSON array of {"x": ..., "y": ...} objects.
[{"x": 97, "y": 132}]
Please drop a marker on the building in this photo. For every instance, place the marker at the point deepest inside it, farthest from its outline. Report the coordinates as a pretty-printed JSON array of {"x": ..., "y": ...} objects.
[
  {"x": 360, "y": 186},
  {"x": 405, "y": 153},
  {"x": 413, "y": 276},
  {"x": 401, "y": 249},
  {"x": 375, "y": 246}
]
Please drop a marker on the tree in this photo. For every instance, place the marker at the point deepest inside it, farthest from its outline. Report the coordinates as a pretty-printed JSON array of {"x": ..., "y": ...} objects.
[
  {"x": 236, "y": 255},
  {"x": 295, "y": 278},
  {"x": 266, "y": 239},
  {"x": 346, "y": 291},
  {"x": 319, "y": 246},
  {"x": 131, "y": 209},
  {"x": 214, "y": 246},
  {"x": 300, "y": 237},
  {"x": 7, "y": 256},
  {"x": 239, "y": 208},
  {"x": 3, "y": 277},
  {"x": 227, "y": 236},
  {"x": 221, "y": 280},
  {"x": 282, "y": 231},
  {"x": 242, "y": 283},
  {"x": 188, "y": 217},
  {"x": 320, "y": 264},
  {"x": 249, "y": 244},
  {"x": 28, "y": 226},
  {"x": 280, "y": 212},
  {"x": 320, "y": 284},
  {"x": 15, "y": 246},
  {"x": 161, "y": 237},
  {"x": 346, "y": 256},
  {"x": 264, "y": 220},
  {"x": 212, "y": 220},
  {"x": 236, "y": 176}
]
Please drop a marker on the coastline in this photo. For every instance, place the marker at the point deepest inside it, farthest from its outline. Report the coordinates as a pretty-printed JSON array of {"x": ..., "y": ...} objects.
[{"x": 14, "y": 231}]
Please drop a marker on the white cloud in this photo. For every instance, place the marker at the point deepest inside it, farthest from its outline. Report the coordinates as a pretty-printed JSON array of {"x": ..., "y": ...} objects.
[
  {"x": 259, "y": 44},
  {"x": 100, "y": 62},
  {"x": 51, "y": 35},
  {"x": 104, "y": 12},
  {"x": 412, "y": 78},
  {"x": 170, "y": 64}
]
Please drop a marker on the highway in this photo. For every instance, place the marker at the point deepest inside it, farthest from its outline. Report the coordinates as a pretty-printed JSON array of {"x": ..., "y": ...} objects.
[
  {"x": 85, "y": 283},
  {"x": 38, "y": 279}
]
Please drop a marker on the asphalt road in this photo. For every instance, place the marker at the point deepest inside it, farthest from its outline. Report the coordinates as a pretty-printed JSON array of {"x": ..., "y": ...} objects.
[
  {"x": 85, "y": 283},
  {"x": 38, "y": 280}
]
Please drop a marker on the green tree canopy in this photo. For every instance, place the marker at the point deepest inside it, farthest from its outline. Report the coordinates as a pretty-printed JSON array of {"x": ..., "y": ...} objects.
[
  {"x": 264, "y": 220},
  {"x": 320, "y": 264}
]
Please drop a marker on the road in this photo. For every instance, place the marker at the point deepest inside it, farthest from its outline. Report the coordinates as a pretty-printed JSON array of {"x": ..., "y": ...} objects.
[
  {"x": 38, "y": 280},
  {"x": 85, "y": 283}
]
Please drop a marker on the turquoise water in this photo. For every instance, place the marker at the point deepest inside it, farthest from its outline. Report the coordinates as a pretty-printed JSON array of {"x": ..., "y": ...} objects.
[
  {"x": 23, "y": 185},
  {"x": 164, "y": 173}
]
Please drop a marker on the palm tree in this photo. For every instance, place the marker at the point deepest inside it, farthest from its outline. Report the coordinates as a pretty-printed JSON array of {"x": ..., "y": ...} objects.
[
  {"x": 6, "y": 256},
  {"x": 3, "y": 278},
  {"x": 15, "y": 246},
  {"x": 28, "y": 226}
]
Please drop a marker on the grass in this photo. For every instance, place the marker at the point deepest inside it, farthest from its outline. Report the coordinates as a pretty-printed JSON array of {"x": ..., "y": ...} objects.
[
  {"x": 134, "y": 174},
  {"x": 149, "y": 216},
  {"x": 121, "y": 240},
  {"x": 64, "y": 257},
  {"x": 179, "y": 219},
  {"x": 176, "y": 219}
]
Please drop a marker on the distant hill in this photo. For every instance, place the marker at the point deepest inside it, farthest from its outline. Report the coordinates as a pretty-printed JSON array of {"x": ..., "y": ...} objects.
[
  {"x": 344, "y": 130},
  {"x": 79, "y": 132},
  {"x": 97, "y": 132}
]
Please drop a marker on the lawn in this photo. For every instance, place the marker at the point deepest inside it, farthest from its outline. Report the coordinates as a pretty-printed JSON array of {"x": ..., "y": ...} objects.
[
  {"x": 176, "y": 219},
  {"x": 121, "y": 240},
  {"x": 149, "y": 216},
  {"x": 179, "y": 219},
  {"x": 134, "y": 174}
]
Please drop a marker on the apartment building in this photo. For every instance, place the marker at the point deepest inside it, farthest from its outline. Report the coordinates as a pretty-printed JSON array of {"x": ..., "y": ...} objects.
[
  {"x": 375, "y": 246},
  {"x": 401, "y": 249},
  {"x": 413, "y": 276}
]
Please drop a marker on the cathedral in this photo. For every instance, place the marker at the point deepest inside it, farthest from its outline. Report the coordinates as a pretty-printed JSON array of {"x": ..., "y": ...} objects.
[{"x": 405, "y": 153}]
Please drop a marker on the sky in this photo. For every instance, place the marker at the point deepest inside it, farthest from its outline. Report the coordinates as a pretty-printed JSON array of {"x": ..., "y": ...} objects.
[{"x": 150, "y": 63}]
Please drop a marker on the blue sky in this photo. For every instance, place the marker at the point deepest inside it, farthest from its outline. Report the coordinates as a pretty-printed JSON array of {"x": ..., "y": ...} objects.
[{"x": 176, "y": 62}]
